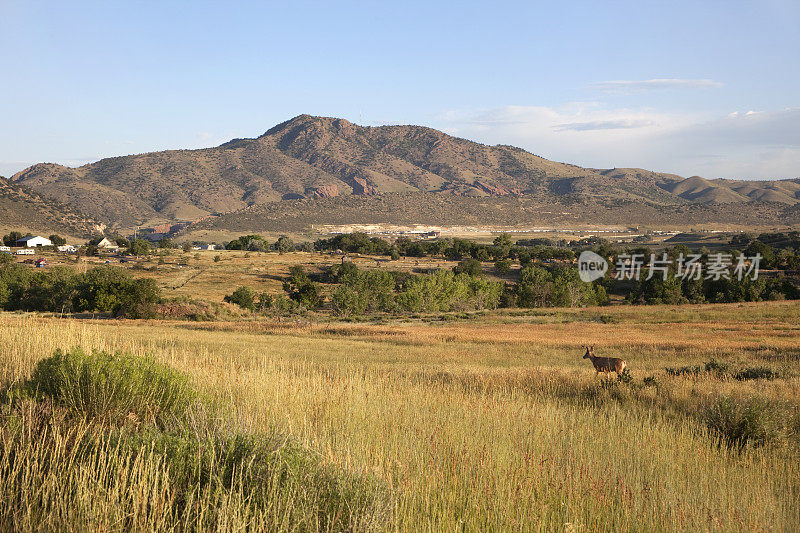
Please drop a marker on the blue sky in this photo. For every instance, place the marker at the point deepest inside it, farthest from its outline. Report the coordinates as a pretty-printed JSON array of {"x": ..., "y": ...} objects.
[{"x": 709, "y": 88}]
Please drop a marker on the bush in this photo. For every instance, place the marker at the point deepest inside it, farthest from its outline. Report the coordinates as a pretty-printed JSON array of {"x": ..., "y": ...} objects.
[
  {"x": 469, "y": 266},
  {"x": 277, "y": 305},
  {"x": 744, "y": 422},
  {"x": 650, "y": 381},
  {"x": 112, "y": 387},
  {"x": 502, "y": 266},
  {"x": 755, "y": 372},
  {"x": 244, "y": 297}
]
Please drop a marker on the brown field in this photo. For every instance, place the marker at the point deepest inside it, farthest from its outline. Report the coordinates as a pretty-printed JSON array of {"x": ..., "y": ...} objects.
[{"x": 490, "y": 421}]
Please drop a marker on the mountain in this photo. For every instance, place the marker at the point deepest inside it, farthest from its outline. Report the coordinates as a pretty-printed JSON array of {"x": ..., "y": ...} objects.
[
  {"x": 22, "y": 209},
  {"x": 319, "y": 157}
]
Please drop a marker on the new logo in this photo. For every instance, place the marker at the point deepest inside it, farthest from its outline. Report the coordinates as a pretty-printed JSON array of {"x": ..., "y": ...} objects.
[{"x": 591, "y": 266}]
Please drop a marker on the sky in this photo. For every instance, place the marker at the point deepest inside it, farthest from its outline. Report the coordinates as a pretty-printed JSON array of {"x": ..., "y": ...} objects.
[{"x": 695, "y": 88}]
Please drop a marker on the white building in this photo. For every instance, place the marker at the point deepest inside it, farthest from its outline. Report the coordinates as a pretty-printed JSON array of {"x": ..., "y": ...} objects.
[
  {"x": 107, "y": 244},
  {"x": 68, "y": 248},
  {"x": 25, "y": 251},
  {"x": 5, "y": 248},
  {"x": 34, "y": 242}
]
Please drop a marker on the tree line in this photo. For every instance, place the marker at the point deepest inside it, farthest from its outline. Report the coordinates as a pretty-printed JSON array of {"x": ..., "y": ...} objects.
[{"x": 103, "y": 289}]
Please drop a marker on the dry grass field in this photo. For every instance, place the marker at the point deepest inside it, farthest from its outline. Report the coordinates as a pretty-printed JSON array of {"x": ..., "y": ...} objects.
[
  {"x": 488, "y": 423},
  {"x": 198, "y": 275}
]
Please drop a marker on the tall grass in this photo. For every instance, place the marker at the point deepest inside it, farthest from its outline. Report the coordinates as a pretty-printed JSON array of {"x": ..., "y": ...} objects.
[
  {"x": 144, "y": 457},
  {"x": 466, "y": 429}
]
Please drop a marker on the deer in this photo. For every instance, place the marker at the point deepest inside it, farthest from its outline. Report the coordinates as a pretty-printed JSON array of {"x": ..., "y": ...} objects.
[{"x": 605, "y": 364}]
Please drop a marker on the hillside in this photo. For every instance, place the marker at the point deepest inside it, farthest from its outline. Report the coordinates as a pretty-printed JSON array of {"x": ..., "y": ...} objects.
[
  {"x": 318, "y": 157},
  {"x": 21, "y": 209},
  {"x": 431, "y": 209}
]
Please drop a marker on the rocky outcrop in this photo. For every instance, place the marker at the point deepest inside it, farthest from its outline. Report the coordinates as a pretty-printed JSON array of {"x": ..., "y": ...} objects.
[{"x": 323, "y": 191}]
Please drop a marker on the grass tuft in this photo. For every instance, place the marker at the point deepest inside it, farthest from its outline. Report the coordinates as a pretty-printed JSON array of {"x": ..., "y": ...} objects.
[{"x": 754, "y": 421}]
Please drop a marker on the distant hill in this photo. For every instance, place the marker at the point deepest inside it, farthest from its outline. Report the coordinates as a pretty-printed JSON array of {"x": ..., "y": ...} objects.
[
  {"x": 319, "y": 157},
  {"x": 22, "y": 209}
]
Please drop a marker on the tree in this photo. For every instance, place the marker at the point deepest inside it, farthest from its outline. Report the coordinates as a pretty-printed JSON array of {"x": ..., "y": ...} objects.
[
  {"x": 244, "y": 297},
  {"x": 301, "y": 289},
  {"x": 502, "y": 266},
  {"x": 140, "y": 299},
  {"x": 284, "y": 244},
  {"x": 57, "y": 240},
  {"x": 766, "y": 251},
  {"x": 535, "y": 287},
  {"x": 482, "y": 254},
  {"x": 469, "y": 266},
  {"x": 253, "y": 243},
  {"x": 187, "y": 247},
  {"x": 138, "y": 247},
  {"x": 166, "y": 244},
  {"x": 504, "y": 239},
  {"x": 12, "y": 238}
]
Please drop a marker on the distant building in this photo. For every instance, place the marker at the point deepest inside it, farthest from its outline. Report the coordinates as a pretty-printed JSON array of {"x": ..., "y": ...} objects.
[
  {"x": 106, "y": 243},
  {"x": 67, "y": 248},
  {"x": 5, "y": 248},
  {"x": 34, "y": 242},
  {"x": 25, "y": 251}
]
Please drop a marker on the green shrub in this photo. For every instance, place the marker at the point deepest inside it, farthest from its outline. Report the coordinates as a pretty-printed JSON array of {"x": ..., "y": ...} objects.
[
  {"x": 112, "y": 387},
  {"x": 744, "y": 422},
  {"x": 284, "y": 244},
  {"x": 469, "y": 266},
  {"x": 502, "y": 266},
  {"x": 650, "y": 381},
  {"x": 301, "y": 289},
  {"x": 244, "y": 297}
]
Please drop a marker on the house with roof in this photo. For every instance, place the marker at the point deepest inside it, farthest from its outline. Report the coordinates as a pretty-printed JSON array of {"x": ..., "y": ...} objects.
[{"x": 34, "y": 242}]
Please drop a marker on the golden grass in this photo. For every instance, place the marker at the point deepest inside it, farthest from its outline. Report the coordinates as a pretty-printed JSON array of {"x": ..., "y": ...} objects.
[{"x": 472, "y": 424}]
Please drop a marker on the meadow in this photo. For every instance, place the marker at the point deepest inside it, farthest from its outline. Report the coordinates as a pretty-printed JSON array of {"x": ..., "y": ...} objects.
[{"x": 475, "y": 422}]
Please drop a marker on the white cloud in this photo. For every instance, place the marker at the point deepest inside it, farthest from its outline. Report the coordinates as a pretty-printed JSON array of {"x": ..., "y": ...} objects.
[
  {"x": 634, "y": 86},
  {"x": 750, "y": 144},
  {"x": 622, "y": 124}
]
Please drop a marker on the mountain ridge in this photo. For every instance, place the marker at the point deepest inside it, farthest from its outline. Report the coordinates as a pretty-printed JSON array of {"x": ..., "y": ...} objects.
[{"x": 328, "y": 157}]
